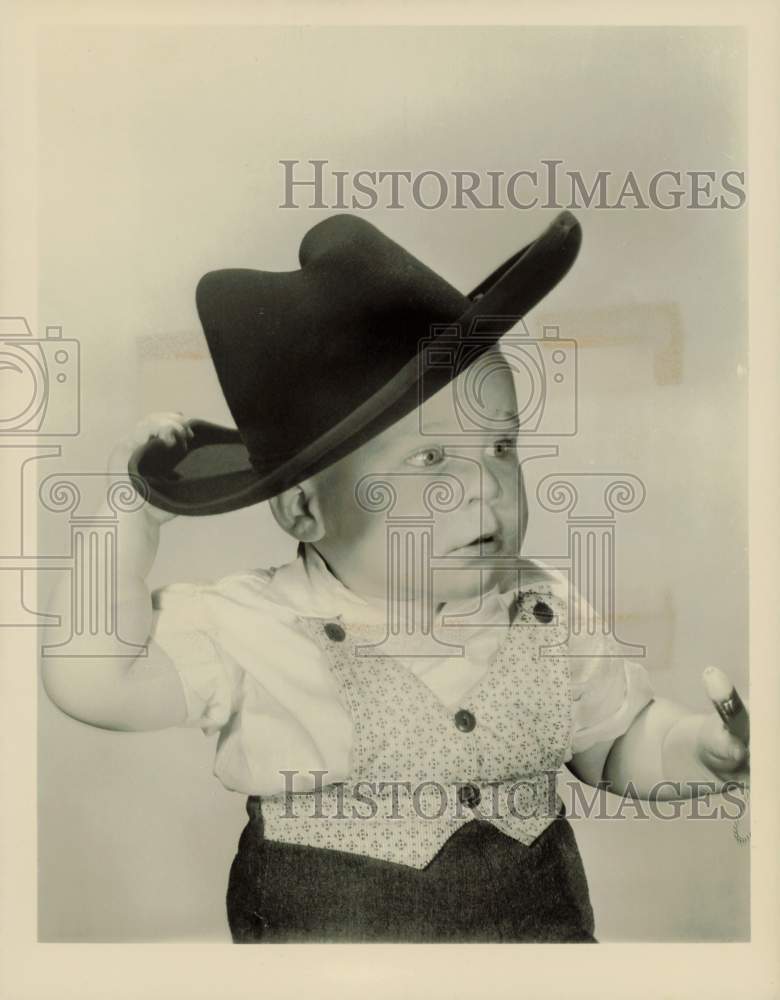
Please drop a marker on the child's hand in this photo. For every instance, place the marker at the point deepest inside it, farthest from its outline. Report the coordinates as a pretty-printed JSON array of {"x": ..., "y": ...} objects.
[
  {"x": 723, "y": 753},
  {"x": 170, "y": 428}
]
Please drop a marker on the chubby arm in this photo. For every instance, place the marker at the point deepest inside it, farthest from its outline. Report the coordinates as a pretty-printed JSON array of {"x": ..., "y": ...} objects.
[
  {"x": 667, "y": 753},
  {"x": 110, "y": 694},
  {"x": 115, "y": 691}
]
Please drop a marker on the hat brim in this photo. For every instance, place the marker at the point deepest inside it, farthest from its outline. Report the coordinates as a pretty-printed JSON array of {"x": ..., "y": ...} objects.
[{"x": 212, "y": 473}]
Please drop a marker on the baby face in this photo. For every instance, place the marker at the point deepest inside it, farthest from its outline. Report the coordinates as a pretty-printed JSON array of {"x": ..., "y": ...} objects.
[{"x": 477, "y": 512}]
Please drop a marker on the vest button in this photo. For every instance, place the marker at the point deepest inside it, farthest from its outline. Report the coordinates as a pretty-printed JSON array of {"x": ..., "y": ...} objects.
[
  {"x": 335, "y": 632},
  {"x": 543, "y": 612},
  {"x": 469, "y": 795},
  {"x": 464, "y": 720}
]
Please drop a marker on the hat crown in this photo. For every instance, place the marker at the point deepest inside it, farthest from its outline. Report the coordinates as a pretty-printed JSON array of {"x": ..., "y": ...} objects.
[
  {"x": 345, "y": 234},
  {"x": 296, "y": 352}
]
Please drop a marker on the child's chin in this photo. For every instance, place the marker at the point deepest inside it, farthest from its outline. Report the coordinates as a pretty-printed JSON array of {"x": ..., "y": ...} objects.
[{"x": 462, "y": 584}]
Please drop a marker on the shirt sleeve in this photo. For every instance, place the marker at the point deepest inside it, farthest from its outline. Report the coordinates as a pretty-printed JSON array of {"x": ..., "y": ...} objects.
[
  {"x": 211, "y": 682},
  {"x": 609, "y": 693}
]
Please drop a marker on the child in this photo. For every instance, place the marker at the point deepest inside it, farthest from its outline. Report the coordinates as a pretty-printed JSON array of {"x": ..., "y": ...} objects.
[{"x": 405, "y": 792}]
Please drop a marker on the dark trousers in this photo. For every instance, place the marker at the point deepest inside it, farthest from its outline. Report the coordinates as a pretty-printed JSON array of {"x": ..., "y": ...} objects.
[{"x": 483, "y": 886}]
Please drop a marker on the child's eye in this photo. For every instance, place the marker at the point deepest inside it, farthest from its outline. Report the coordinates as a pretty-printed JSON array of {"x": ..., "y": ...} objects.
[
  {"x": 427, "y": 457},
  {"x": 503, "y": 447}
]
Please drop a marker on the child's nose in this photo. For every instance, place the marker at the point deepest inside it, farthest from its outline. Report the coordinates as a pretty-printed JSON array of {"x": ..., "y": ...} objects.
[
  {"x": 479, "y": 479},
  {"x": 491, "y": 487}
]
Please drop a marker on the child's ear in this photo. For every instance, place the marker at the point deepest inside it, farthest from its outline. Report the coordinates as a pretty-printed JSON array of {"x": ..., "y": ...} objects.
[{"x": 297, "y": 511}]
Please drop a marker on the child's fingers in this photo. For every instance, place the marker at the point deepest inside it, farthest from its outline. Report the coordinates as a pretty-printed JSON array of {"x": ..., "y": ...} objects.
[
  {"x": 168, "y": 427},
  {"x": 720, "y": 750},
  {"x": 174, "y": 432},
  {"x": 180, "y": 426},
  {"x": 730, "y": 761}
]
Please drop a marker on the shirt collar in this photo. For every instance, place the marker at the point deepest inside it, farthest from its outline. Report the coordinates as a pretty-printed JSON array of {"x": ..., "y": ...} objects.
[
  {"x": 307, "y": 586},
  {"x": 352, "y": 607}
]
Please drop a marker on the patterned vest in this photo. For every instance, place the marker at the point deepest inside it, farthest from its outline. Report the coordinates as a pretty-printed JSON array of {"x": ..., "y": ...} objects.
[{"x": 420, "y": 770}]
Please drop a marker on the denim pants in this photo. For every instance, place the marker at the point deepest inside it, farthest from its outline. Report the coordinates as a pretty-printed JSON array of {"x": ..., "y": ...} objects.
[{"x": 482, "y": 886}]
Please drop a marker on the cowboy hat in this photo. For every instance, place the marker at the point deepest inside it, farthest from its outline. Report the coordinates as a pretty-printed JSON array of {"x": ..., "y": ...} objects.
[{"x": 315, "y": 362}]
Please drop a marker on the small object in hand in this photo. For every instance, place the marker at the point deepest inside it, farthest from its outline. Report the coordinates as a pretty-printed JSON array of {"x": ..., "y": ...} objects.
[
  {"x": 734, "y": 716},
  {"x": 728, "y": 703}
]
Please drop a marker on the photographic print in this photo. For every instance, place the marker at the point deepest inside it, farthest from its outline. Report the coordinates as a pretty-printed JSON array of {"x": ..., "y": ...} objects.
[{"x": 381, "y": 408}]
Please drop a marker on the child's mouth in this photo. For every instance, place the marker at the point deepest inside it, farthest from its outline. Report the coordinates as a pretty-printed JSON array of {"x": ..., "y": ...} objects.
[{"x": 486, "y": 544}]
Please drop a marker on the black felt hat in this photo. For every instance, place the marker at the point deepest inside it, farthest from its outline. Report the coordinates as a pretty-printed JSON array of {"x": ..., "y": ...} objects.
[{"x": 315, "y": 362}]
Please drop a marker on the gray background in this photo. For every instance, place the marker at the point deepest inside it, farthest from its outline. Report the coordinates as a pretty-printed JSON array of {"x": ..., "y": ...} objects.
[{"x": 159, "y": 153}]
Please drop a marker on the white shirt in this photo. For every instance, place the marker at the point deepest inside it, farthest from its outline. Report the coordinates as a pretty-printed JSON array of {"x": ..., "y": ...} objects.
[{"x": 250, "y": 672}]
